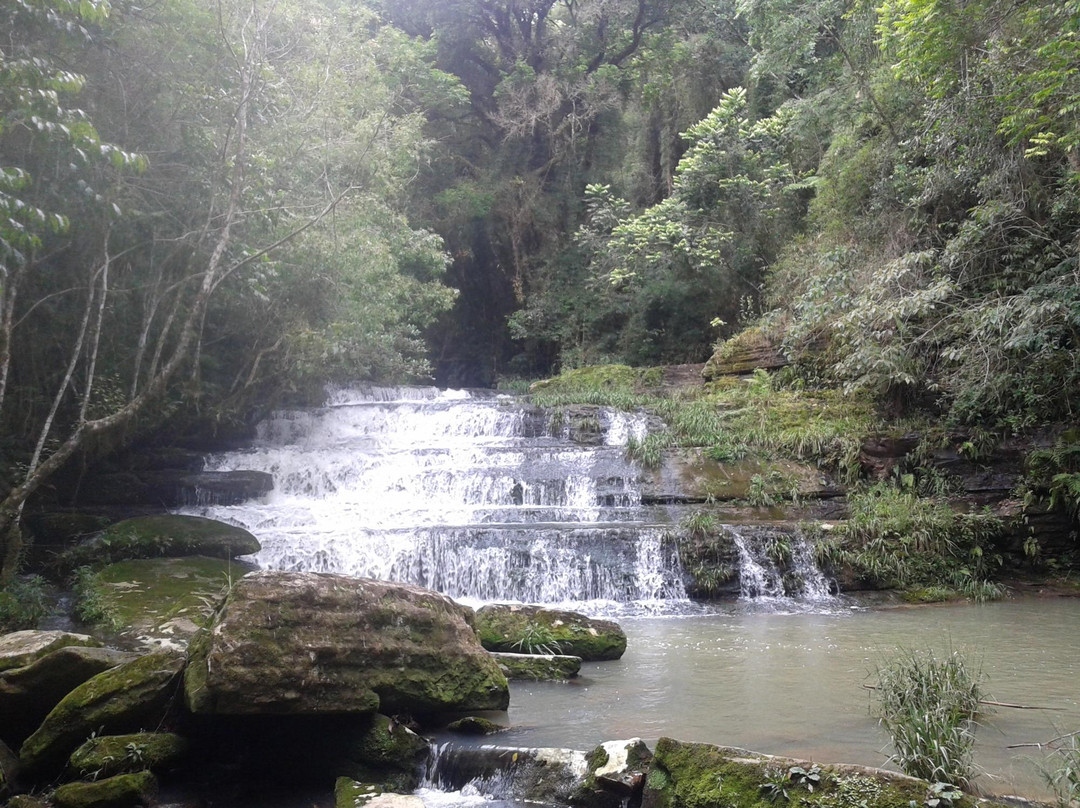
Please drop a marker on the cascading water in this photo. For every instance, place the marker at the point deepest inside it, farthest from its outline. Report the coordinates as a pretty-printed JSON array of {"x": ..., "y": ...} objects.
[
  {"x": 475, "y": 495},
  {"x": 777, "y": 563}
]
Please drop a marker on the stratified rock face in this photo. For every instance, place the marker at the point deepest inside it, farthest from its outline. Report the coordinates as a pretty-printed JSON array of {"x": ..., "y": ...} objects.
[
  {"x": 524, "y": 629},
  {"x": 23, "y": 647},
  {"x": 744, "y": 353},
  {"x": 296, "y": 642},
  {"x": 538, "y": 667},
  {"x": 27, "y": 694},
  {"x": 131, "y": 696}
]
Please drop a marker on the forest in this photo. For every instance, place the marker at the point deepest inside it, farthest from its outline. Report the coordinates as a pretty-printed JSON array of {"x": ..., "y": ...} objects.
[{"x": 209, "y": 209}]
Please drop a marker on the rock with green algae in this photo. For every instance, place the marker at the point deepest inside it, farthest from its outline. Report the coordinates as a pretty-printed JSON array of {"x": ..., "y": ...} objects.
[
  {"x": 616, "y": 774},
  {"x": 385, "y": 752},
  {"x": 349, "y": 793},
  {"x": 538, "y": 667},
  {"x": 694, "y": 775},
  {"x": 27, "y": 694},
  {"x": 306, "y": 643},
  {"x": 122, "y": 791},
  {"x": 127, "y": 698},
  {"x": 164, "y": 602},
  {"x": 108, "y": 755},
  {"x": 474, "y": 725},
  {"x": 163, "y": 535},
  {"x": 517, "y": 628},
  {"x": 20, "y": 648}
]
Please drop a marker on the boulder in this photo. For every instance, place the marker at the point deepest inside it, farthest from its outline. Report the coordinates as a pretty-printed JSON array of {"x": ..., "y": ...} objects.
[
  {"x": 20, "y": 648},
  {"x": 9, "y": 770},
  {"x": 27, "y": 694},
  {"x": 164, "y": 602},
  {"x": 538, "y": 667},
  {"x": 298, "y": 642},
  {"x": 516, "y": 628},
  {"x": 384, "y": 752},
  {"x": 127, "y": 698},
  {"x": 109, "y": 755},
  {"x": 616, "y": 774},
  {"x": 163, "y": 536},
  {"x": 122, "y": 791},
  {"x": 474, "y": 725}
]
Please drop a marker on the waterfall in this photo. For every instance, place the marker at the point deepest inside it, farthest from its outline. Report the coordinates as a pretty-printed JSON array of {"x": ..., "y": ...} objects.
[
  {"x": 475, "y": 494},
  {"x": 777, "y": 562}
]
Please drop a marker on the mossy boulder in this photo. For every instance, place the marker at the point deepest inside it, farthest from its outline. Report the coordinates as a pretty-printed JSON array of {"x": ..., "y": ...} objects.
[
  {"x": 297, "y": 642},
  {"x": 20, "y": 648},
  {"x": 386, "y": 752},
  {"x": 127, "y": 698},
  {"x": 108, "y": 755},
  {"x": 163, "y": 536},
  {"x": 474, "y": 725},
  {"x": 516, "y": 628},
  {"x": 538, "y": 667},
  {"x": 164, "y": 602},
  {"x": 122, "y": 791},
  {"x": 693, "y": 775},
  {"x": 27, "y": 694}
]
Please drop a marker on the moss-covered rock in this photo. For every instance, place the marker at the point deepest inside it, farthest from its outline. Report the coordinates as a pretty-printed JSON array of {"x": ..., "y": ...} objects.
[
  {"x": 690, "y": 476},
  {"x": 27, "y": 694},
  {"x": 388, "y": 753},
  {"x": 474, "y": 725},
  {"x": 163, "y": 536},
  {"x": 289, "y": 643},
  {"x": 538, "y": 667},
  {"x": 26, "y": 801},
  {"x": 20, "y": 648},
  {"x": 616, "y": 774},
  {"x": 744, "y": 353},
  {"x": 163, "y": 602},
  {"x": 122, "y": 791},
  {"x": 108, "y": 755},
  {"x": 9, "y": 765},
  {"x": 516, "y": 628},
  {"x": 693, "y": 775},
  {"x": 349, "y": 793},
  {"x": 125, "y": 699}
]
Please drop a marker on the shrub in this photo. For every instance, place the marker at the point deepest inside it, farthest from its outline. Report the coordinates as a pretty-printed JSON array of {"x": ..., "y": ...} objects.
[{"x": 23, "y": 602}]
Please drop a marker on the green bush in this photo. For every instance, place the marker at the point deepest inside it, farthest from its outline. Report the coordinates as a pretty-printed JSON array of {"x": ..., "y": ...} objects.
[{"x": 23, "y": 602}]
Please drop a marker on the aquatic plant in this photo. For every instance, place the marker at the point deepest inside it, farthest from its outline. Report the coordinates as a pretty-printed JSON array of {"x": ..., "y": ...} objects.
[{"x": 928, "y": 706}]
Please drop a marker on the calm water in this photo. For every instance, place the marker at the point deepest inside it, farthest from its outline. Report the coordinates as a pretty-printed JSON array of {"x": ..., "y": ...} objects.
[{"x": 792, "y": 684}]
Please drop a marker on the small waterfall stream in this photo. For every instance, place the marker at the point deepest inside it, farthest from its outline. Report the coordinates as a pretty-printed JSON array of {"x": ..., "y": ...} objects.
[
  {"x": 470, "y": 493},
  {"x": 777, "y": 563}
]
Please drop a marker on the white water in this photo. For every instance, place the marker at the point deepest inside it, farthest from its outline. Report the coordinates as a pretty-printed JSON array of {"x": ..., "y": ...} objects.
[
  {"x": 467, "y": 493},
  {"x": 766, "y": 574}
]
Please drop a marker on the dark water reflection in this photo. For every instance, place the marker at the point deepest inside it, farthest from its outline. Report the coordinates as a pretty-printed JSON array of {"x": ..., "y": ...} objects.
[{"x": 792, "y": 684}]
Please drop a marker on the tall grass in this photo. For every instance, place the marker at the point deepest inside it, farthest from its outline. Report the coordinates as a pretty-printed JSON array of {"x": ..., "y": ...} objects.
[
  {"x": 927, "y": 705},
  {"x": 1064, "y": 778}
]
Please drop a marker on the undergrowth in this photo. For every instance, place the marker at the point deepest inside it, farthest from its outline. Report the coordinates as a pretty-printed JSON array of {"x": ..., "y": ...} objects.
[
  {"x": 23, "y": 602},
  {"x": 91, "y": 605}
]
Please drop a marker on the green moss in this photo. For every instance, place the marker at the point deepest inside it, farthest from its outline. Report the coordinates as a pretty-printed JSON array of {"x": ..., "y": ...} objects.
[
  {"x": 503, "y": 628},
  {"x": 106, "y": 755},
  {"x": 121, "y": 791},
  {"x": 474, "y": 725},
  {"x": 930, "y": 594},
  {"x": 349, "y": 793}
]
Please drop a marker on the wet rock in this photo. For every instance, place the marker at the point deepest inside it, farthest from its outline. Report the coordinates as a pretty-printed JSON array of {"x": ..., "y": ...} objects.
[
  {"x": 20, "y": 648},
  {"x": 474, "y": 725},
  {"x": 349, "y": 793},
  {"x": 27, "y": 694},
  {"x": 616, "y": 774},
  {"x": 124, "y": 699},
  {"x": 122, "y": 791},
  {"x": 175, "y": 488},
  {"x": 880, "y": 454},
  {"x": 163, "y": 536},
  {"x": 287, "y": 643},
  {"x": 385, "y": 752},
  {"x": 515, "y": 628},
  {"x": 108, "y": 755},
  {"x": 164, "y": 602},
  {"x": 538, "y": 667},
  {"x": 688, "y": 476},
  {"x": 549, "y": 776}
]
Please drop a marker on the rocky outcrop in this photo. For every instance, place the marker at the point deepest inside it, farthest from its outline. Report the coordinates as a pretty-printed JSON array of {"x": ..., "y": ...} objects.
[
  {"x": 516, "y": 628},
  {"x": 164, "y": 602},
  {"x": 163, "y": 536},
  {"x": 127, "y": 698},
  {"x": 746, "y": 352},
  {"x": 689, "y": 476},
  {"x": 109, "y": 755},
  {"x": 288, "y": 643},
  {"x": 538, "y": 667},
  {"x": 29, "y": 693},
  {"x": 21, "y": 648},
  {"x": 122, "y": 791},
  {"x": 175, "y": 488}
]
